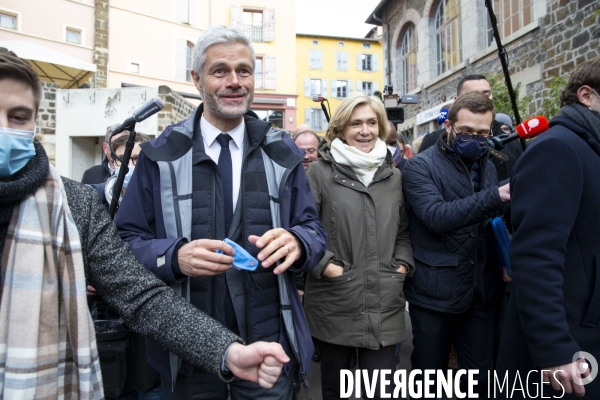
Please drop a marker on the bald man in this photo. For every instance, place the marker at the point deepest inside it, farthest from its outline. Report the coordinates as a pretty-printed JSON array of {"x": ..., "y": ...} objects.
[{"x": 308, "y": 141}]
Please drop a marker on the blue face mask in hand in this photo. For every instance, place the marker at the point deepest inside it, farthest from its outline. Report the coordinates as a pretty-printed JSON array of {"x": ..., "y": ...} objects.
[
  {"x": 468, "y": 150},
  {"x": 16, "y": 149}
]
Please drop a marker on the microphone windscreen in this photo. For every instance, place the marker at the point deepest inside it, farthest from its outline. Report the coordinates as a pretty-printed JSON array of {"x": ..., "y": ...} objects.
[{"x": 532, "y": 127}]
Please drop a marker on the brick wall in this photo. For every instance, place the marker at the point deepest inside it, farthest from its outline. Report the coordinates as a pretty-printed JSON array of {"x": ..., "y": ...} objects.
[
  {"x": 567, "y": 35},
  {"x": 46, "y": 121},
  {"x": 176, "y": 109},
  {"x": 101, "y": 43}
]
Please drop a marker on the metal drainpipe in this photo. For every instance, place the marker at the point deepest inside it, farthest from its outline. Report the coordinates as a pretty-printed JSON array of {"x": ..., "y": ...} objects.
[{"x": 387, "y": 41}]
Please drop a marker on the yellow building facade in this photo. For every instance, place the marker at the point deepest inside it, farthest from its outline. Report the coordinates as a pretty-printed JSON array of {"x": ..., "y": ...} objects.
[{"x": 334, "y": 67}]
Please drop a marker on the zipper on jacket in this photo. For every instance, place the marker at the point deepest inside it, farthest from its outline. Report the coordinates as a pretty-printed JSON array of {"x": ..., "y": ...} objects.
[{"x": 476, "y": 228}]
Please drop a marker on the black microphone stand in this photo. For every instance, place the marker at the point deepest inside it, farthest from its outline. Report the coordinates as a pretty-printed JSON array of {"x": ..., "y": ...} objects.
[
  {"x": 114, "y": 204},
  {"x": 504, "y": 61},
  {"x": 325, "y": 110}
]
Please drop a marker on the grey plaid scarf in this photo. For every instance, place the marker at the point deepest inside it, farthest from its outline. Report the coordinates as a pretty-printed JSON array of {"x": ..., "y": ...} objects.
[{"x": 47, "y": 342}]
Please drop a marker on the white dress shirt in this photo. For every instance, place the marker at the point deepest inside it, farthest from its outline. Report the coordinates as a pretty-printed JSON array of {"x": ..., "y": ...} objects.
[{"x": 236, "y": 147}]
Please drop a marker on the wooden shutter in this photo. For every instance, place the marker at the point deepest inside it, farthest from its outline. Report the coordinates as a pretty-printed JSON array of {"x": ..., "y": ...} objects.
[
  {"x": 318, "y": 59},
  {"x": 350, "y": 88},
  {"x": 270, "y": 78},
  {"x": 333, "y": 89},
  {"x": 307, "y": 119},
  {"x": 375, "y": 86},
  {"x": 269, "y": 25},
  {"x": 180, "y": 59},
  {"x": 324, "y": 87},
  {"x": 344, "y": 60},
  {"x": 338, "y": 60},
  {"x": 307, "y": 87},
  {"x": 359, "y": 61},
  {"x": 312, "y": 63},
  {"x": 194, "y": 13},
  {"x": 237, "y": 14},
  {"x": 359, "y": 86},
  {"x": 374, "y": 62},
  {"x": 182, "y": 11}
]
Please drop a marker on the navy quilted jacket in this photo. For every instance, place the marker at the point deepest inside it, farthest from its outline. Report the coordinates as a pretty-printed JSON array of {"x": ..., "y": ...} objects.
[{"x": 448, "y": 229}]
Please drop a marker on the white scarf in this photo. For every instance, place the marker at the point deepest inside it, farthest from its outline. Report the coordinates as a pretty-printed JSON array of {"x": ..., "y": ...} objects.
[{"x": 363, "y": 164}]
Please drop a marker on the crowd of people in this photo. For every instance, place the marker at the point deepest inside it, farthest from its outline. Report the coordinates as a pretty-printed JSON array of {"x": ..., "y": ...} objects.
[{"x": 341, "y": 232}]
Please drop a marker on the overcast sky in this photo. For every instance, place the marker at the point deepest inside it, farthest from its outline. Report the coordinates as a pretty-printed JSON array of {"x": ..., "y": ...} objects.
[{"x": 334, "y": 17}]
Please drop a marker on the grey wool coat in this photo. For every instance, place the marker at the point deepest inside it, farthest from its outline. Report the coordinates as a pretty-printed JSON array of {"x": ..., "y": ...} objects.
[
  {"x": 369, "y": 236},
  {"x": 146, "y": 304}
]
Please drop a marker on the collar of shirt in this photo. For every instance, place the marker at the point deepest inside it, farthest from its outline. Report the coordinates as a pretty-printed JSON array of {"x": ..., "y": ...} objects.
[{"x": 210, "y": 133}]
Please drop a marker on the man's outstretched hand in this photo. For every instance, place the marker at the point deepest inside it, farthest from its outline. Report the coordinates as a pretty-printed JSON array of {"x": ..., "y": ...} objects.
[{"x": 259, "y": 362}]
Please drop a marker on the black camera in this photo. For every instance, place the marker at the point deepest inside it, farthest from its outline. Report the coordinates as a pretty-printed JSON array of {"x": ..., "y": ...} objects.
[{"x": 392, "y": 101}]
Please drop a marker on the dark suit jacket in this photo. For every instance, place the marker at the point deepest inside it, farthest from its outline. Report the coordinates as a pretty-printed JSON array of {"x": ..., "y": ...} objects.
[
  {"x": 97, "y": 173},
  {"x": 554, "y": 308}
]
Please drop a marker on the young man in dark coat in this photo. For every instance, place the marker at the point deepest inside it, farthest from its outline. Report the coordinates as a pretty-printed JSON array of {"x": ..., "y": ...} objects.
[
  {"x": 479, "y": 83},
  {"x": 553, "y": 318},
  {"x": 452, "y": 190}
]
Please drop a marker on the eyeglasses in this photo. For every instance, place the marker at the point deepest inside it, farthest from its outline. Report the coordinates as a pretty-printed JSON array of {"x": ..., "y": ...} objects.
[
  {"x": 465, "y": 137},
  {"x": 118, "y": 161}
]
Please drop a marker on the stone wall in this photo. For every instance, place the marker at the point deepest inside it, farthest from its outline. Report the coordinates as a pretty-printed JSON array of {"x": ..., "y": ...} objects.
[
  {"x": 101, "y": 43},
  {"x": 46, "y": 121},
  {"x": 176, "y": 109},
  {"x": 563, "y": 37}
]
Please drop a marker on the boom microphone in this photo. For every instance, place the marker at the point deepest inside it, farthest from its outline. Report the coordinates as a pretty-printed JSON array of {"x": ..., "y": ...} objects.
[
  {"x": 319, "y": 99},
  {"x": 144, "y": 112},
  {"x": 527, "y": 129}
]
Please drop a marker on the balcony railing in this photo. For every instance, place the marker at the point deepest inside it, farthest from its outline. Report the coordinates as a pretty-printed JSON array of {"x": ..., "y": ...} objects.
[{"x": 254, "y": 32}]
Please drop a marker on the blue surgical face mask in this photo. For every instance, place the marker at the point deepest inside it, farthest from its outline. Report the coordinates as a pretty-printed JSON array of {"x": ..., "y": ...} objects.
[
  {"x": 469, "y": 150},
  {"x": 127, "y": 177},
  {"x": 16, "y": 149}
]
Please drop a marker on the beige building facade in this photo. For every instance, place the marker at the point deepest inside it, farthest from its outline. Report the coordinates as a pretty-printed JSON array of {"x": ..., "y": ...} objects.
[{"x": 135, "y": 43}]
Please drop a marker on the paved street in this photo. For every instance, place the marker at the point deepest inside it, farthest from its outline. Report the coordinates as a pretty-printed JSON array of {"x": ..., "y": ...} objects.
[{"x": 314, "y": 376}]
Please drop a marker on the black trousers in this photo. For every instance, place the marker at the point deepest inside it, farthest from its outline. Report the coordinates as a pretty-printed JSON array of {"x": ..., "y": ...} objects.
[
  {"x": 336, "y": 357},
  {"x": 471, "y": 332}
]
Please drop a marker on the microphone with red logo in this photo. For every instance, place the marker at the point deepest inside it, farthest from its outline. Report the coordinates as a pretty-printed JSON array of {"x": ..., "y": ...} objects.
[
  {"x": 321, "y": 99},
  {"x": 525, "y": 130}
]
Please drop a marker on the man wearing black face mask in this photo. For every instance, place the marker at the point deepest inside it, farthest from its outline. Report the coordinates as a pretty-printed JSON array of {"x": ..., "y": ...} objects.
[{"x": 452, "y": 190}]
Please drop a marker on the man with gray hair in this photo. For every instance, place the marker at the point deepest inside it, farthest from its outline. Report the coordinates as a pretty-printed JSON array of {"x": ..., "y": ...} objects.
[
  {"x": 223, "y": 173},
  {"x": 100, "y": 173}
]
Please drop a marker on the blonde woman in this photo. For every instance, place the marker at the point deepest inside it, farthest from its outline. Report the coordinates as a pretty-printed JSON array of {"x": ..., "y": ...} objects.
[{"x": 354, "y": 297}]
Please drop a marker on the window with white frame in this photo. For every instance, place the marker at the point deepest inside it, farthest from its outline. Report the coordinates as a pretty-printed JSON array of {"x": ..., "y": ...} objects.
[
  {"x": 189, "y": 55},
  {"x": 257, "y": 24},
  {"x": 315, "y": 42},
  {"x": 315, "y": 118},
  {"x": 8, "y": 21},
  {"x": 188, "y": 12},
  {"x": 366, "y": 45},
  {"x": 316, "y": 87},
  {"x": 315, "y": 59},
  {"x": 366, "y": 62},
  {"x": 407, "y": 57},
  {"x": 340, "y": 44},
  {"x": 512, "y": 15},
  {"x": 73, "y": 35},
  {"x": 341, "y": 89},
  {"x": 367, "y": 88},
  {"x": 134, "y": 67},
  {"x": 259, "y": 73},
  {"x": 341, "y": 60},
  {"x": 448, "y": 35},
  {"x": 253, "y": 22}
]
